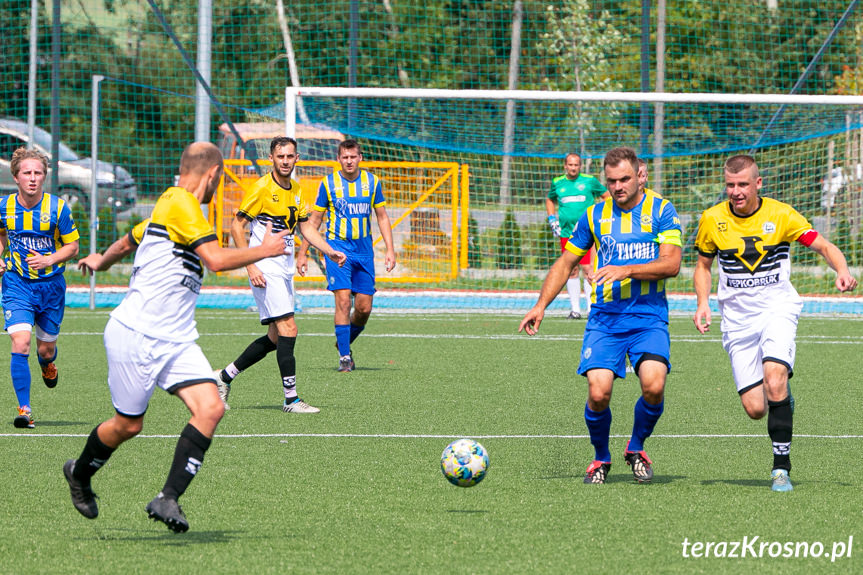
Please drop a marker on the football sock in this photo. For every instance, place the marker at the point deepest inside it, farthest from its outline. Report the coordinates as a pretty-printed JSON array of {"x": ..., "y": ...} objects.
[
  {"x": 44, "y": 362},
  {"x": 255, "y": 352},
  {"x": 780, "y": 425},
  {"x": 287, "y": 366},
  {"x": 356, "y": 330},
  {"x": 20, "y": 370},
  {"x": 599, "y": 425},
  {"x": 573, "y": 288},
  {"x": 587, "y": 291},
  {"x": 92, "y": 458},
  {"x": 188, "y": 458},
  {"x": 229, "y": 373},
  {"x": 644, "y": 420},
  {"x": 343, "y": 339}
]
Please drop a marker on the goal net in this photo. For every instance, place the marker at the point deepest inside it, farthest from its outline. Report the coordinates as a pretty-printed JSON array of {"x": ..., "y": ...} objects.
[{"x": 512, "y": 143}]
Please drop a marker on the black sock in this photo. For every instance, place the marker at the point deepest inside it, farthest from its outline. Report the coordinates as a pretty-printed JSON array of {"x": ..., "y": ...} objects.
[
  {"x": 93, "y": 457},
  {"x": 256, "y": 351},
  {"x": 188, "y": 458},
  {"x": 780, "y": 425},
  {"x": 287, "y": 361}
]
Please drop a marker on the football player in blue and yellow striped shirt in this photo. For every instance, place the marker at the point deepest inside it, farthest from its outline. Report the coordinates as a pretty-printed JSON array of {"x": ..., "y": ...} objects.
[
  {"x": 637, "y": 236},
  {"x": 349, "y": 197},
  {"x": 38, "y": 230}
]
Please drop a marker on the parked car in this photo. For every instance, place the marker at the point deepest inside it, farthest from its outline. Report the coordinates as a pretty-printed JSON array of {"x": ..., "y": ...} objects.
[{"x": 116, "y": 188}]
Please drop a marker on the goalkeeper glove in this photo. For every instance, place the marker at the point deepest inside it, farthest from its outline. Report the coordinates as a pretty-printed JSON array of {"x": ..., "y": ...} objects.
[{"x": 555, "y": 226}]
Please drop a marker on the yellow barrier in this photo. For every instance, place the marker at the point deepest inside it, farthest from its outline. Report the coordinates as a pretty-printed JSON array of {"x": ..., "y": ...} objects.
[{"x": 426, "y": 201}]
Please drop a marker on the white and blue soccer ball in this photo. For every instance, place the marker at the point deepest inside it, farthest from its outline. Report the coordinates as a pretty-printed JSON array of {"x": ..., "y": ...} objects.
[{"x": 464, "y": 462}]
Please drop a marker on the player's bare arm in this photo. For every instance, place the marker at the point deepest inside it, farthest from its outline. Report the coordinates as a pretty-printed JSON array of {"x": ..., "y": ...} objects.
[
  {"x": 97, "y": 262},
  {"x": 666, "y": 265},
  {"x": 703, "y": 281},
  {"x": 218, "y": 259},
  {"x": 314, "y": 221},
  {"x": 387, "y": 234},
  {"x": 64, "y": 254},
  {"x": 554, "y": 282},
  {"x": 836, "y": 260},
  {"x": 312, "y": 236},
  {"x": 238, "y": 234},
  {"x": 4, "y": 241}
]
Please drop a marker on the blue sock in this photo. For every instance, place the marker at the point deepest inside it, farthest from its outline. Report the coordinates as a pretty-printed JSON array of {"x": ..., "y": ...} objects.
[
  {"x": 356, "y": 330},
  {"x": 599, "y": 426},
  {"x": 44, "y": 362},
  {"x": 20, "y": 369},
  {"x": 646, "y": 416},
  {"x": 343, "y": 335}
]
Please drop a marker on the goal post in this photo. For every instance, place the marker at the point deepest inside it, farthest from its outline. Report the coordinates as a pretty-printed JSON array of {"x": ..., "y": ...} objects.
[{"x": 809, "y": 149}]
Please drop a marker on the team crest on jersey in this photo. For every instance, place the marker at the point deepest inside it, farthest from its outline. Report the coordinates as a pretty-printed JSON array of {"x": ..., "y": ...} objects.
[
  {"x": 768, "y": 227},
  {"x": 44, "y": 218},
  {"x": 752, "y": 253},
  {"x": 721, "y": 227},
  {"x": 646, "y": 220},
  {"x": 580, "y": 187},
  {"x": 276, "y": 198}
]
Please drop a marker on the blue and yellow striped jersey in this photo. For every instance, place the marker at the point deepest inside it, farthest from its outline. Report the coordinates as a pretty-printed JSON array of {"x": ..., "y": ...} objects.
[
  {"x": 349, "y": 205},
  {"x": 623, "y": 238},
  {"x": 43, "y": 230}
]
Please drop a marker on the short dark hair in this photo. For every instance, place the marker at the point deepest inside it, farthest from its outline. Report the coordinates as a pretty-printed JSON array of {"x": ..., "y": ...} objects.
[
  {"x": 349, "y": 144},
  {"x": 616, "y": 156},
  {"x": 22, "y": 154},
  {"x": 198, "y": 157},
  {"x": 280, "y": 141},
  {"x": 740, "y": 162},
  {"x": 566, "y": 157}
]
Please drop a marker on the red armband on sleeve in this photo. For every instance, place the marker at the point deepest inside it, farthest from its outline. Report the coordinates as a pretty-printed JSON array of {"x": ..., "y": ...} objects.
[{"x": 807, "y": 237}]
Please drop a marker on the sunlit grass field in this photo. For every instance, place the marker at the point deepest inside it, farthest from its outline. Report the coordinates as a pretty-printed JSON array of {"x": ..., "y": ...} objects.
[{"x": 358, "y": 488}]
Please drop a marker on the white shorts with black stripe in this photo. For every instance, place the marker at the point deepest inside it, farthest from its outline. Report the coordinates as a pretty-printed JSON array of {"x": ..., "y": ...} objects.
[
  {"x": 769, "y": 339},
  {"x": 138, "y": 363},
  {"x": 276, "y": 300}
]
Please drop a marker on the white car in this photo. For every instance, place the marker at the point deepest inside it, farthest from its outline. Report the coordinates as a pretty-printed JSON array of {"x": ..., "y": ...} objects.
[{"x": 116, "y": 188}]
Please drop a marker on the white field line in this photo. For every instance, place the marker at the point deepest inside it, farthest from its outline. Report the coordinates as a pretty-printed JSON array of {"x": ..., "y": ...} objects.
[
  {"x": 813, "y": 339},
  {"x": 436, "y": 436}
]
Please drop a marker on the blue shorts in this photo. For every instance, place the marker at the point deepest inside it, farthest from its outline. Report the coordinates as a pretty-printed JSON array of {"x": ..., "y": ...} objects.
[
  {"x": 604, "y": 350},
  {"x": 35, "y": 302},
  {"x": 357, "y": 275}
]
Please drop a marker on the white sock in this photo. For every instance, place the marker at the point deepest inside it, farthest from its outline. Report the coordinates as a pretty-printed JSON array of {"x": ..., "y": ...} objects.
[
  {"x": 587, "y": 291},
  {"x": 232, "y": 371},
  {"x": 573, "y": 288}
]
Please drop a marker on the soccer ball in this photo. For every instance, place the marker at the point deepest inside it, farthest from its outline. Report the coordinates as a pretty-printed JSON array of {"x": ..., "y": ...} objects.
[{"x": 464, "y": 462}]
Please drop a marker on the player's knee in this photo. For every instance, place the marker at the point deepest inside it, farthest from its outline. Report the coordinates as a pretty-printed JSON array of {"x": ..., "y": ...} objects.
[
  {"x": 127, "y": 428},
  {"x": 598, "y": 399},
  {"x": 755, "y": 411}
]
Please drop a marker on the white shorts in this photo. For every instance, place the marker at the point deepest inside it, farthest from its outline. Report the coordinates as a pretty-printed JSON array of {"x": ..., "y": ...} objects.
[
  {"x": 138, "y": 363},
  {"x": 276, "y": 301},
  {"x": 749, "y": 348}
]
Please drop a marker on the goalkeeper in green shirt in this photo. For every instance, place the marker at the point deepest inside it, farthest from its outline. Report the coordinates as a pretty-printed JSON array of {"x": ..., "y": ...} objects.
[{"x": 570, "y": 195}]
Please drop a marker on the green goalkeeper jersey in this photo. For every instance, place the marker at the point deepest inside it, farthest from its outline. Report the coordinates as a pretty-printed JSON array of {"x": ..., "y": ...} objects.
[{"x": 573, "y": 197}]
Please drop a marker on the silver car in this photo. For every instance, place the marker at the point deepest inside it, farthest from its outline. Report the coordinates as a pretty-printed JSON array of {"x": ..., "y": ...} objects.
[{"x": 116, "y": 188}]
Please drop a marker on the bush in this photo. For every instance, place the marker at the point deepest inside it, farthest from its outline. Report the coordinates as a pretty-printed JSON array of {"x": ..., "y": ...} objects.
[{"x": 510, "y": 251}]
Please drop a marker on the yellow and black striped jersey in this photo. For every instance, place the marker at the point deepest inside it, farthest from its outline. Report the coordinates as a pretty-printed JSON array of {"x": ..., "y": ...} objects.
[
  {"x": 167, "y": 273},
  {"x": 268, "y": 202},
  {"x": 754, "y": 258}
]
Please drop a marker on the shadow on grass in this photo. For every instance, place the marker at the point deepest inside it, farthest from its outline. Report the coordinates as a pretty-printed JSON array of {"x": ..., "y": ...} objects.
[
  {"x": 760, "y": 483},
  {"x": 657, "y": 479},
  {"x": 167, "y": 537},
  {"x": 43, "y": 423}
]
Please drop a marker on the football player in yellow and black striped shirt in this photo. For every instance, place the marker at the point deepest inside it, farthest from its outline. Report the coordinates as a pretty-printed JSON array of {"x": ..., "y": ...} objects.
[
  {"x": 275, "y": 199},
  {"x": 752, "y": 236},
  {"x": 150, "y": 337}
]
